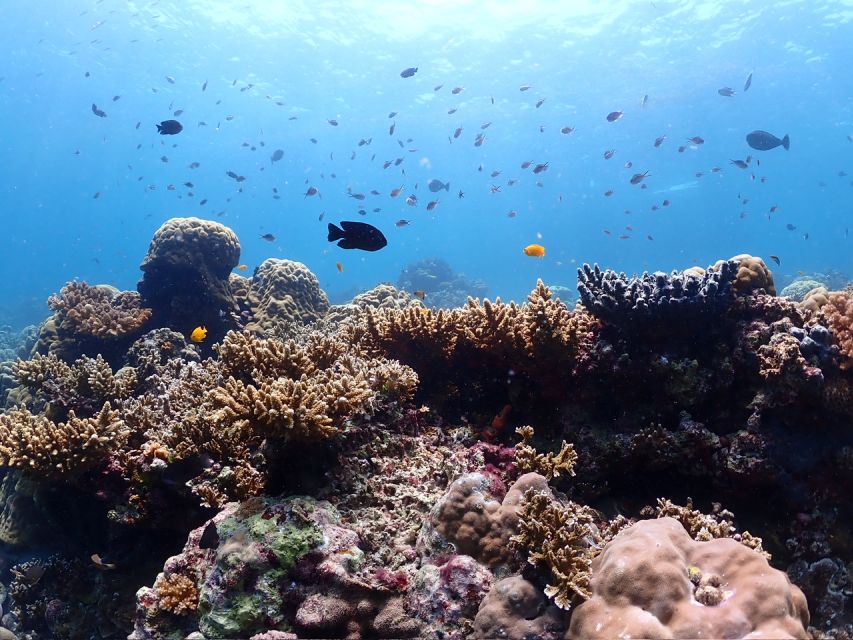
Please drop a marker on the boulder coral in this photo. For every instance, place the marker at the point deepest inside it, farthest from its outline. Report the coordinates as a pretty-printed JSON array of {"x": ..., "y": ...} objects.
[
  {"x": 839, "y": 316},
  {"x": 185, "y": 276},
  {"x": 653, "y": 581},
  {"x": 283, "y": 293}
]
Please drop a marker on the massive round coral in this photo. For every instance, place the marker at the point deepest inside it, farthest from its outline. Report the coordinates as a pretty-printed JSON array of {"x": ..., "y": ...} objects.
[
  {"x": 285, "y": 292},
  {"x": 653, "y": 581},
  {"x": 185, "y": 278}
]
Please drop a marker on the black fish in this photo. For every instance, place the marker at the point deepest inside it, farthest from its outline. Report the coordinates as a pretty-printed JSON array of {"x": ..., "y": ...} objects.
[
  {"x": 209, "y": 537},
  {"x": 764, "y": 141},
  {"x": 748, "y": 83},
  {"x": 277, "y": 155},
  {"x": 169, "y": 127},
  {"x": 408, "y": 73},
  {"x": 98, "y": 112},
  {"x": 357, "y": 235}
]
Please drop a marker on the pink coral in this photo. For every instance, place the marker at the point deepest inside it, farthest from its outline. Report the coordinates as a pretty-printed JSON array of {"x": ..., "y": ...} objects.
[{"x": 653, "y": 581}]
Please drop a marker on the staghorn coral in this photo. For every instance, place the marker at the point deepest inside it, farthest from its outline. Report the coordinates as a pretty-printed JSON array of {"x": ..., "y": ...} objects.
[
  {"x": 84, "y": 386},
  {"x": 176, "y": 593},
  {"x": 839, "y": 317},
  {"x": 549, "y": 465},
  {"x": 703, "y": 527},
  {"x": 653, "y": 581},
  {"x": 56, "y": 450},
  {"x": 655, "y": 298},
  {"x": 99, "y": 311},
  {"x": 564, "y": 538},
  {"x": 284, "y": 292}
]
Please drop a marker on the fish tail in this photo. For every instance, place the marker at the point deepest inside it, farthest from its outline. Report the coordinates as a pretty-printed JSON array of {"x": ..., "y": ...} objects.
[
  {"x": 786, "y": 142},
  {"x": 335, "y": 232},
  {"x": 447, "y": 186},
  {"x": 159, "y": 128}
]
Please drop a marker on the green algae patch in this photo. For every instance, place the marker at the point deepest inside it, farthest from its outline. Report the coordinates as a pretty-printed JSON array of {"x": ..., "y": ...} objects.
[{"x": 259, "y": 545}]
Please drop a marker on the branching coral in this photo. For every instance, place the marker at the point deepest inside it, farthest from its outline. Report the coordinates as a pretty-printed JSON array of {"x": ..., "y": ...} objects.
[
  {"x": 97, "y": 311},
  {"x": 84, "y": 386},
  {"x": 564, "y": 538},
  {"x": 657, "y": 297},
  {"x": 53, "y": 450},
  {"x": 839, "y": 315},
  {"x": 549, "y": 465},
  {"x": 176, "y": 593},
  {"x": 703, "y": 527}
]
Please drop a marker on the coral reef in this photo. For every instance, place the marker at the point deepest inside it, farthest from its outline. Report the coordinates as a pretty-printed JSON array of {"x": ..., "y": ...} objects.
[
  {"x": 443, "y": 287},
  {"x": 350, "y": 472},
  {"x": 800, "y": 287},
  {"x": 653, "y": 580}
]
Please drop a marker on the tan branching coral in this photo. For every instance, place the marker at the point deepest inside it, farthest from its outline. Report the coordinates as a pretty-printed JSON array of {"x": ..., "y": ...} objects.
[
  {"x": 49, "y": 449},
  {"x": 839, "y": 316},
  {"x": 176, "y": 593},
  {"x": 97, "y": 311},
  {"x": 549, "y": 465},
  {"x": 564, "y": 538},
  {"x": 85, "y": 385},
  {"x": 702, "y": 527}
]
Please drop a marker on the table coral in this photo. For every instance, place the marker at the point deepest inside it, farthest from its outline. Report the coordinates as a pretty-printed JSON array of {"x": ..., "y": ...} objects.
[{"x": 653, "y": 580}]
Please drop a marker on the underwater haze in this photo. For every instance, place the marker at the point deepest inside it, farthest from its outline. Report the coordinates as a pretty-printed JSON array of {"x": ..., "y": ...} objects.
[{"x": 87, "y": 179}]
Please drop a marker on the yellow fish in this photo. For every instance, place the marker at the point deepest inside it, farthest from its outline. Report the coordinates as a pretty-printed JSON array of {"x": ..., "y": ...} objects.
[
  {"x": 534, "y": 250},
  {"x": 242, "y": 267},
  {"x": 199, "y": 334}
]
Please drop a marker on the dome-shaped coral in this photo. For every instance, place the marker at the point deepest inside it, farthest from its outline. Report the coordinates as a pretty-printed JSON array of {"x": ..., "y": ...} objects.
[
  {"x": 285, "y": 292},
  {"x": 752, "y": 274}
]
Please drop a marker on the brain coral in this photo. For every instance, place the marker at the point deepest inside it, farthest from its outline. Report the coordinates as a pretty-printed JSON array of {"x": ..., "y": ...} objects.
[
  {"x": 653, "y": 581},
  {"x": 186, "y": 273},
  {"x": 285, "y": 292}
]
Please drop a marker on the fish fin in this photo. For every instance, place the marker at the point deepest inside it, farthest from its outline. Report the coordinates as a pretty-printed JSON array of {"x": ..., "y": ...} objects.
[
  {"x": 786, "y": 142},
  {"x": 335, "y": 233},
  {"x": 346, "y": 243}
]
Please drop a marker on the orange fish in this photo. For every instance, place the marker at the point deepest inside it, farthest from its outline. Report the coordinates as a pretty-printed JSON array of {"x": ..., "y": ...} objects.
[
  {"x": 242, "y": 267},
  {"x": 498, "y": 424},
  {"x": 340, "y": 267},
  {"x": 534, "y": 250},
  {"x": 199, "y": 334}
]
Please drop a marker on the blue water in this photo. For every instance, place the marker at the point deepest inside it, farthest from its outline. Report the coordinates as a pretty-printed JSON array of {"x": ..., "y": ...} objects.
[{"x": 342, "y": 61}]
